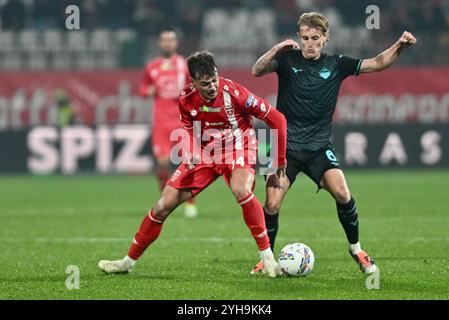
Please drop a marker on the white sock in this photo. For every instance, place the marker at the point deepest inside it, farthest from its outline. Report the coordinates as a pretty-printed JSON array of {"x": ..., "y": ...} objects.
[
  {"x": 355, "y": 248},
  {"x": 265, "y": 252},
  {"x": 129, "y": 261}
]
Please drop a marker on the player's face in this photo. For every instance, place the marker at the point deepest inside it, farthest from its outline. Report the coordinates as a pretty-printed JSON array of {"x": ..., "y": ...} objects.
[
  {"x": 168, "y": 43},
  {"x": 207, "y": 87},
  {"x": 312, "y": 42}
]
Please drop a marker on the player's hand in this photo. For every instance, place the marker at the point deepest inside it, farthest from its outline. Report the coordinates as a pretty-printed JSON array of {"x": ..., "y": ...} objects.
[
  {"x": 407, "y": 39},
  {"x": 280, "y": 172},
  {"x": 286, "y": 45}
]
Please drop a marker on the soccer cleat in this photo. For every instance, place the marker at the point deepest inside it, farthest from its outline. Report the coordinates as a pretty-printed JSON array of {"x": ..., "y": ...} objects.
[
  {"x": 364, "y": 261},
  {"x": 116, "y": 266},
  {"x": 257, "y": 268},
  {"x": 270, "y": 265},
  {"x": 190, "y": 210}
]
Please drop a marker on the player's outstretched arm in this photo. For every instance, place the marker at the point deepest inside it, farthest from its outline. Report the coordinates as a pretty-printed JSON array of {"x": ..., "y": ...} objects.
[
  {"x": 265, "y": 64},
  {"x": 386, "y": 58}
]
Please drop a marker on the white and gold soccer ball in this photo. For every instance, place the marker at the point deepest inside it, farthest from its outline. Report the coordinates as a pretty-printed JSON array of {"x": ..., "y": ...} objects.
[{"x": 296, "y": 259}]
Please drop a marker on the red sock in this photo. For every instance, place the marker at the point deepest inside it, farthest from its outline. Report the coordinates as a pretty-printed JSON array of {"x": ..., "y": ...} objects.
[
  {"x": 162, "y": 176},
  {"x": 148, "y": 232},
  {"x": 255, "y": 220}
]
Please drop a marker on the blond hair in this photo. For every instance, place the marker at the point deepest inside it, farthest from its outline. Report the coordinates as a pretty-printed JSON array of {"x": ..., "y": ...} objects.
[{"x": 314, "y": 20}]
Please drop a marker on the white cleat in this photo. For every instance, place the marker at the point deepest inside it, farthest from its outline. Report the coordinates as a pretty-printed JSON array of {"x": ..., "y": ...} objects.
[
  {"x": 116, "y": 266},
  {"x": 270, "y": 266},
  {"x": 190, "y": 210},
  {"x": 371, "y": 269}
]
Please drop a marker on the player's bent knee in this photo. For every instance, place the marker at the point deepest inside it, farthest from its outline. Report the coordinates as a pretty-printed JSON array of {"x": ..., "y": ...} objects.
[
  {"x": 241, "y": 192},
  {"x": 164, "y": 207},
  {"x": 272, "y": 207},
  {"x": 342, "y": 195}
]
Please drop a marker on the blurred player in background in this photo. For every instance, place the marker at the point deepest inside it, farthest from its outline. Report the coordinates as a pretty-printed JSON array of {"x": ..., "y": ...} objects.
[
  {"x": 221, "y": 112},
  {"x": 164, "y": 78},
  {"x": 309, "y": 83}
]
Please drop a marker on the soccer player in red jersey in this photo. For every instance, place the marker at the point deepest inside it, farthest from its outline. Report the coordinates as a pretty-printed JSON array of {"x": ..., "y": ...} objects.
[
  {"x": 164, "y": 78},
  {"x": 221, "y": 112}
]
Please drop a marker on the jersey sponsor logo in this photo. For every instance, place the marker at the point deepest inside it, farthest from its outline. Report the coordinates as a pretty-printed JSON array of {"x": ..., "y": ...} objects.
[
  {"x": 295, "y": 70},
  {"x": 212, "y": 124},
  {"x": 205, "y": 108},
  {"x": 165, "y": 65},
  {"x": 325, "y": 73}
]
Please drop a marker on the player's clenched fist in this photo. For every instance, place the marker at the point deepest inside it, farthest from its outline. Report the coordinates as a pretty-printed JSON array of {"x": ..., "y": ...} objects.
[{"x": 407, "y": 39}]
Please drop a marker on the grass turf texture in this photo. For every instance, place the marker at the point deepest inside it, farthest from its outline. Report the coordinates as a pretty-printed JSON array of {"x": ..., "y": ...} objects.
[{"x": 48, "y": 223}]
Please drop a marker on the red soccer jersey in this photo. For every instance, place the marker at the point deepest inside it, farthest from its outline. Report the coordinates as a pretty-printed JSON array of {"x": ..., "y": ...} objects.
[
  {"x": 168, "y": 76},
  {"x": 227, "y": 120}
]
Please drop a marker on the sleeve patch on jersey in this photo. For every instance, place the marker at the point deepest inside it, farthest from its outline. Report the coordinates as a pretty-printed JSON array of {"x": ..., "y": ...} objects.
[{"x": 251, "y": 102}]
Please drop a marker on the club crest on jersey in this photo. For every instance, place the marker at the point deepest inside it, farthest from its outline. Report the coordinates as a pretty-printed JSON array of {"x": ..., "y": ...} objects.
[
  {"x": 194, "y": 113},
  {"x": 325, "y": 73}
]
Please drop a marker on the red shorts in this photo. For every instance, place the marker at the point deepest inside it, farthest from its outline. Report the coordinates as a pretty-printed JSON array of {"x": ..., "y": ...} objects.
[{"x": 202, "y": 175}]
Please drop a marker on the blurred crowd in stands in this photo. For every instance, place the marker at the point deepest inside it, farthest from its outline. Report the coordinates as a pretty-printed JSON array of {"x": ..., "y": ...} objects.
[{"x": 146, "y": 17}]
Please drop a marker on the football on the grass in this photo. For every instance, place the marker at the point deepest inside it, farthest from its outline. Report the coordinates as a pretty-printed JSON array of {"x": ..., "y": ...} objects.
[{"x": 296, "y": 259}]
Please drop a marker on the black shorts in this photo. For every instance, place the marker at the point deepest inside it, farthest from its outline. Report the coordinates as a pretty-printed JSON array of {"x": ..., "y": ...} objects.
[{"x": 313, "y": 163}]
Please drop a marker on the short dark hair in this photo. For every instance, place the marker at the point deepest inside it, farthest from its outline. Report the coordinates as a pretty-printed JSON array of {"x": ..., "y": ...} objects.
[{"x": 201, "y": 64}]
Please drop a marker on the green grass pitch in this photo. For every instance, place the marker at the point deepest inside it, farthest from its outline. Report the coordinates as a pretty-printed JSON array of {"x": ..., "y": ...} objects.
[{"x": 48, "y": 223}]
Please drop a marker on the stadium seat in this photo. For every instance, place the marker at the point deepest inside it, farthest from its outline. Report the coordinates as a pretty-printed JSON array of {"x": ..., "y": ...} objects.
[
  {"x": 7, "y": 41},
  {"x": 53, "y": 40},
  {"x": 77, "y": 41},
  {"x": 100, "y": 40}
]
